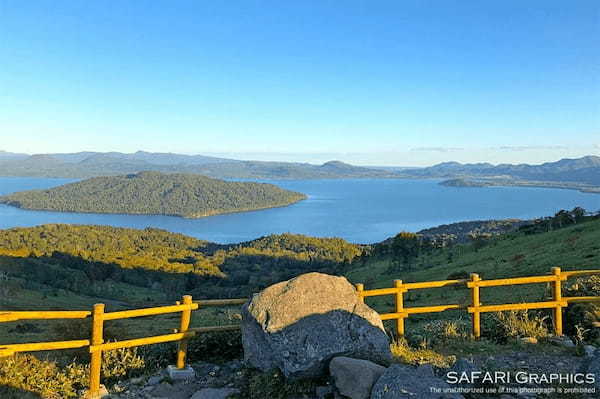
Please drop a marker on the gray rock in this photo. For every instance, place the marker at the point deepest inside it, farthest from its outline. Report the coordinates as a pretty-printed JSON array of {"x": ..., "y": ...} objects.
[
  {"x": 299, "y": 325},
  {"x": 214, "y": 393},
  {"x": 154, "y": 380},
  {"x": 426, "y": 369},
  {"x": 593, "y": 367},
  {"x": 323, "y": 391},
  {"x": 403, "y": 382},
  {"x": 589, "y": 350},
  {"x": 561, "y": 340},
  {"x": 169, "y": 391},
  {"x": 355, "y": 378},
  {"x": 463, "y": 367}
]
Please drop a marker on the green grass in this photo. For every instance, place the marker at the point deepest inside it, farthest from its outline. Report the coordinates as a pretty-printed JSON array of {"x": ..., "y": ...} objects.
[{"x": 514, "y": 255}]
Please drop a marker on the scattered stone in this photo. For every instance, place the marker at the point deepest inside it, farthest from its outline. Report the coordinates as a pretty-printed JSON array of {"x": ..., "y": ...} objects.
[
  {"x": 186, "y": 373},
  {"x": 215, "y": 393},
  {"x": 355, "y": 378},
  {"x": 402, "y": 382},
  {"x": 299, "y": 325},
  {"x": 137, "y": 380},
  {"x": 562, "y": 340},
  {"x": 154, "y": 380},
  {"x": 464, "y": 367}
]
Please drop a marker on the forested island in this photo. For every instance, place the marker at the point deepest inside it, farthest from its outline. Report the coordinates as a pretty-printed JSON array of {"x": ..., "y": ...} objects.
[{"x": 186, "y": 195}]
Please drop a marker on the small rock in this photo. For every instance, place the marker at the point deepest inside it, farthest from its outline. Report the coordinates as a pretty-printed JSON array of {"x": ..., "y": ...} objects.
[
  {"x": 562, "y": 341},
  {"x": 355, "y": 378},
  {"x": 464, "y": 367},
  {"x": 528, "y": 340},
  {"x": 168, "y": 391},
  {"x": 214, "y": 393},
  {"x": 405, "y": 382},
  {"x": 154, "y": 380},
  {"x": 137, "y": 380}
]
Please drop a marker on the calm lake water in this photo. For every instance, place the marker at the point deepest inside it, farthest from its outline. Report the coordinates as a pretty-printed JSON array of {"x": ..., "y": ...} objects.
[{"x": 359, "y": 210}]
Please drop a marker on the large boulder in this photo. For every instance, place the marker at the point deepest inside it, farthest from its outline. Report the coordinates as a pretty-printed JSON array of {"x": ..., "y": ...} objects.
[
  {"x": 401, "y": 381},
  {"x": 299, "y": 325}
]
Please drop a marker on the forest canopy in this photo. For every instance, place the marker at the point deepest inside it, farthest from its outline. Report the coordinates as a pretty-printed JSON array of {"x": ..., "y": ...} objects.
[
  {"x": 91, "y": 259},
  {"x": 156, "y": 193}
]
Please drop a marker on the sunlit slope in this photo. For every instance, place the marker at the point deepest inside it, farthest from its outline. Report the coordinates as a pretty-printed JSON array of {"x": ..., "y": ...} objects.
[{"x": 572, "y": 248}]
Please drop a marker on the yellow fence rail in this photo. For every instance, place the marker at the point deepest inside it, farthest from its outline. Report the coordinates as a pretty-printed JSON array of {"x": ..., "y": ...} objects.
[
  {"x": 186, "y": 306},
  {"x": 97, "y": 345},
  {"x": 475, "y": 308}
]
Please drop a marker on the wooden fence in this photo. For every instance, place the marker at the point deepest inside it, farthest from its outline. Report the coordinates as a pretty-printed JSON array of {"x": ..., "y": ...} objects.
[
  {"x": 475, "y": 308},
  {"x": 97, "y": 345}
]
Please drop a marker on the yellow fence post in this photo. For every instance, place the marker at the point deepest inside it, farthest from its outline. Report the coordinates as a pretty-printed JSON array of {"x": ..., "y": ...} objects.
[
  {"x": 186, "y": 316},
  {"x": 475, "y": 303},
  {"x": 399, "y": 308},
  {"x": 359, "y": 289},
  {"x": 557, "y": 296},
  {"x": 96, "y": 356}
]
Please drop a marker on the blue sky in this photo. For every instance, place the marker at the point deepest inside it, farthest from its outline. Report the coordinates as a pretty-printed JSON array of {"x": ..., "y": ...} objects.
[{"x": 368, "y": 82}]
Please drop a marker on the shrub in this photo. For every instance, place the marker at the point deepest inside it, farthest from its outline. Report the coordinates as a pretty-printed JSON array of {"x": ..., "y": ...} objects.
[
  {"x": 584, "y": 315},
  {"x": 516, "y": 324},
  {"x": 121, "y": 363},
  {"x": 50, "y": 381},
  {"x": 444, "y": 330},
  {"x": 42, "y": 377},
  {"x": 404, "y": 353}
]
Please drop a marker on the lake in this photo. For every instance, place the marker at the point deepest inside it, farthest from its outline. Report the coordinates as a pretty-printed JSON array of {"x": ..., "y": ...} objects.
[{"x": 359, "y": 210}]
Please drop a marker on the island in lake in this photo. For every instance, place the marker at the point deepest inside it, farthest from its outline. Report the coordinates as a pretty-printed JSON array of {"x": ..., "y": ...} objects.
[{"x": 186, "y": 195}]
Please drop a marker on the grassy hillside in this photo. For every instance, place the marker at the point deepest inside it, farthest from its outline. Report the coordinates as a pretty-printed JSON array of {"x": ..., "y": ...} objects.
[
  {"x": 510, "y": 255},
  {"x": 156, "y": 193}
]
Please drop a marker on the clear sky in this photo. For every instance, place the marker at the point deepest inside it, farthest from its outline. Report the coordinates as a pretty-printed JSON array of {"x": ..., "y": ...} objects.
[{"x": 368, "y": 82}]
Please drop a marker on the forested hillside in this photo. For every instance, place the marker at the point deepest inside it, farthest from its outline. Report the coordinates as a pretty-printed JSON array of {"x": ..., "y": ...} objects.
[
  {"x": 155, "y": 193},
  {"x": 156, "y": 265}
]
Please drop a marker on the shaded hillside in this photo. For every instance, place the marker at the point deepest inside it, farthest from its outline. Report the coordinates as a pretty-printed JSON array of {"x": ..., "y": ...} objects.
[{"x": 155, "y": 193}]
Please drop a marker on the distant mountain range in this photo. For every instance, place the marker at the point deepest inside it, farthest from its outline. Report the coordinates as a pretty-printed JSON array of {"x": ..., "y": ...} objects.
[
  {"x": 581, "y": 170},
  {"x": 581, "y": 173},
  {"x": 93, "y": 164}
]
